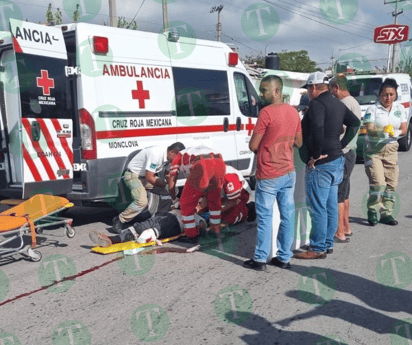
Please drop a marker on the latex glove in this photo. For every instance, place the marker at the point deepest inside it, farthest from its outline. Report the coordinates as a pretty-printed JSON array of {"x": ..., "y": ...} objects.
[
  {"x": 389, "y": 129},
  {"x": 397, "y": 133},
  {"x": 176, "y": 203}
]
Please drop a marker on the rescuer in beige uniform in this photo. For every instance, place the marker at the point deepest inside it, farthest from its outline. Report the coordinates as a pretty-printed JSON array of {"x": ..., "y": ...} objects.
[{"x": 385, "y": 121}]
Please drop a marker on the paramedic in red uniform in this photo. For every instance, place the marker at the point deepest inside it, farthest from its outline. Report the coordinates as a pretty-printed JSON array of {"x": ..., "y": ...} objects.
[
  {"x": 141, "y": 175},
  {"x": 235, "y": 196},
  {"x": 204, "y": 170}
]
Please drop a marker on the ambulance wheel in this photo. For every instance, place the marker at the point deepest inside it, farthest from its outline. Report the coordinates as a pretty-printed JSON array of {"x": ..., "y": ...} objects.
[
  {"x": 70, "y": 232},
  {"x": 406, "y": 142},
  {"x": 35, "y": 255},
  {"x": 252, "y": 182},
  {"x": 39, "y": 231}
]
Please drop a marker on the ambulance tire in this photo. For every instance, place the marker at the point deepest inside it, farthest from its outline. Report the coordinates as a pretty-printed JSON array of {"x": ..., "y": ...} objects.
[
  {"x": 252, "y": 182},
  {"x": 70, "y": 232},
  {"x": 406, "y": 142}
]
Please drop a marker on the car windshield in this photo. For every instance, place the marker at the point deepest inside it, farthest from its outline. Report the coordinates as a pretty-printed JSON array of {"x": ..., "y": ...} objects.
[{"x": 365, "y": 90}]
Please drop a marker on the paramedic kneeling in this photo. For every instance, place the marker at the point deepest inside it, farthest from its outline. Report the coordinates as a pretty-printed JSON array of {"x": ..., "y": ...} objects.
[
  {"x": 140, "y": 176},
  {"x": 204, "y": 170}
]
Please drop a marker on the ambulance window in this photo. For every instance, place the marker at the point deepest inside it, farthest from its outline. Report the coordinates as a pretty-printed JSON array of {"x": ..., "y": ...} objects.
[
  {"x": 248, "y": 100},
  {"x": 201, "y": 92},
  {"x": 43, "y": 87}
]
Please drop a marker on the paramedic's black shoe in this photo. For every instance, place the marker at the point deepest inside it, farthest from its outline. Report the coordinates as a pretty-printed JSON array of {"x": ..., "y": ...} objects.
[
  {"x": 117, "y": 225},
  {"x": 254, "y": 265},
  {"x": 252, "y": 212},
  {"x": 372, "y": 218},
  {"x": 388, "y": 221}
]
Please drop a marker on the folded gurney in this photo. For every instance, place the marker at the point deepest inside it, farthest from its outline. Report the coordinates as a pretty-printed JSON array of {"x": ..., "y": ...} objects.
[{"x": 31, "y": 217}]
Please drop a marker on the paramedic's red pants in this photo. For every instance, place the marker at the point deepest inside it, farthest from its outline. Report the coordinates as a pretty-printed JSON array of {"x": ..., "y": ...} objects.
[
  {"x": 238, "y": 213},
  {"x": 205, "y": 178}
]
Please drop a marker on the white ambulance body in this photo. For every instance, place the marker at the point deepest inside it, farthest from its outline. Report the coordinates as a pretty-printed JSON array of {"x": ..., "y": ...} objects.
[{"x": 78, "y": 102}]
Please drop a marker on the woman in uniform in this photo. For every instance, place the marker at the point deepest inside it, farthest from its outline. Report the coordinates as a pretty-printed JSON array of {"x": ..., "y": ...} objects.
[{"x": 385, "y": 121}]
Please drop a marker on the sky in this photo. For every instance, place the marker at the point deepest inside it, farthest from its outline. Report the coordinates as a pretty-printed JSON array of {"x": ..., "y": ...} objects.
[{"x": 328, "y": 29}]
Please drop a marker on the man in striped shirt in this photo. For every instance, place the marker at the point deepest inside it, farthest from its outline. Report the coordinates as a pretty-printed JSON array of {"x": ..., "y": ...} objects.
[{"x": 204, "y": 170}]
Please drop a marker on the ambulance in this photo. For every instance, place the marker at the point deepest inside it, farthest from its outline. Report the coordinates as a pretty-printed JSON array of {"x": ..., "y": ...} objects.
[
  {"x": 364, "y": 87},
  {"x": 79, "y": 101}
]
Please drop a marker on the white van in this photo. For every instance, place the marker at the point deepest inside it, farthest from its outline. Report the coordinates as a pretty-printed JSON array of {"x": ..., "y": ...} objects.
[
  {"x": 365, "y": 89},
  {"x": 79, "y": 101}
]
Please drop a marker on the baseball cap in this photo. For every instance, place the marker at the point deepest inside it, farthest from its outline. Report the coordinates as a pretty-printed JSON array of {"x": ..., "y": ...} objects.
[
  {"x": 304, "y": 102},
  {"x": 316, "y": 78}
]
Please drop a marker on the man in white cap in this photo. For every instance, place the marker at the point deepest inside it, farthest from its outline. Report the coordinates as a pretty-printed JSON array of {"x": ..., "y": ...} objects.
[{"x": 322, "y": 151}]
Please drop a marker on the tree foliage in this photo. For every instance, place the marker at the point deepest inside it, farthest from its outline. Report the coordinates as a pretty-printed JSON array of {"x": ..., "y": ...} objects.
[
  {"x": 76, "y": 14},
  {"x": 58, "y": 16},
  {"x": 297, "y": 61},
  {"x": 49, "y": 15},
  {"x": 123, "y": 23},
  {"x": 405, "y": 66}
]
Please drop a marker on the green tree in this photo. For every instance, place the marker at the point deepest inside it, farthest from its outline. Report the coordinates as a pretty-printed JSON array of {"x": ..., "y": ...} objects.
[
  {"x": 405, "y": 66},
  {"x": 258, "y": 60},
  {"x": 76, "y": 14},
  {"x": 297, "y": 61},
  {"x": 49, "y": 15},
  {"x": 58, "y": 16},
  {"x": 123, "y": 23}
]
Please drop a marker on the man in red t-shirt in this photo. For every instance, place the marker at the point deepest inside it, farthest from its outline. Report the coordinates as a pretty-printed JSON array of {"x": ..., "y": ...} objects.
[{"x": 278, "y": 130}]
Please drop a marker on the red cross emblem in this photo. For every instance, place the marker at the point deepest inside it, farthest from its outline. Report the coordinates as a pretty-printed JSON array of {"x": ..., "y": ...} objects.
[
  {"x": 45, "y": 82},
  {"x": 249, "y": 127},
  {"x": 140, "y": 94}
]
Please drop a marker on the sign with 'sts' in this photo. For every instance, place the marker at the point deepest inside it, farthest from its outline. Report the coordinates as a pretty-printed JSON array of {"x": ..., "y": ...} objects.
[{"x": 390, "y": 34}]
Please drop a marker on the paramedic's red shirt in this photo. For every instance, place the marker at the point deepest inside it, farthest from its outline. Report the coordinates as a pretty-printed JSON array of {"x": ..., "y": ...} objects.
[{"x": 281, "y": 129}]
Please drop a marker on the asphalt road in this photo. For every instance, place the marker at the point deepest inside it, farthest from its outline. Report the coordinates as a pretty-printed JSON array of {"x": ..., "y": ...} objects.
[{"x": 360, "y": 294}]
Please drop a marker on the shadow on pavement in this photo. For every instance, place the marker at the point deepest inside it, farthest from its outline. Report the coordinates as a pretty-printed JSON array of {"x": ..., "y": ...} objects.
[{"x": 268, "y": 333}]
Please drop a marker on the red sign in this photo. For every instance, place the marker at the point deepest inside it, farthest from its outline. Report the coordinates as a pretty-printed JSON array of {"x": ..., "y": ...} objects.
[{"x": 390, "y": 34}]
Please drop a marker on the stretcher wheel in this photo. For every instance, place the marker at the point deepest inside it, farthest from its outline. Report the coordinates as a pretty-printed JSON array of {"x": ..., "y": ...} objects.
[
  {"x": 70, "y": 232},
  {"x": 35, "y": 255}
]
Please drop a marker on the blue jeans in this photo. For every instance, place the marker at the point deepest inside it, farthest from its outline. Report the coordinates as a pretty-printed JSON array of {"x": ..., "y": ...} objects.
[
  {"x": 322, "y": 197},
  {"x": 282, "y": 189}
]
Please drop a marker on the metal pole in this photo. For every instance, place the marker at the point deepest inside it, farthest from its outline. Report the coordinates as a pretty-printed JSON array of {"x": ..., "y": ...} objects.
[
  {"x": 112, "y": 13},
  {"x": 389, "y": 57},
  {"x": 165, "y": 16},
  {"x": 219, "y": 26},
  {"x": 395, "y": 46}
]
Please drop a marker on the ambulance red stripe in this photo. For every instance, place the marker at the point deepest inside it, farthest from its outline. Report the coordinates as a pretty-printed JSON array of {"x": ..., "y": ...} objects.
[
  {"x": 39, "y": 151},
  {"x": 65, "y": 145},
  {"x": 52, "y": 148},
  {"x": 146, "y": 132},
  {"x": 30, "y": 164}
]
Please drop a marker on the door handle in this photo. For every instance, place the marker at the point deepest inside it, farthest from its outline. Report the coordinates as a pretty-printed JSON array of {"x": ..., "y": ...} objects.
[
  {"x": 225, "y": 124},
  {"x": 238, "y": 124},
  {"x": 35, "y": 131}
]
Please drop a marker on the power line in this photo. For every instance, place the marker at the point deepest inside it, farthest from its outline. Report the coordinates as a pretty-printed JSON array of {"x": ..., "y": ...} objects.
[
  {"x": 241, "y": 43},
  {"x": 270, "y": 2},
  {"x": 136, "y": 13}
]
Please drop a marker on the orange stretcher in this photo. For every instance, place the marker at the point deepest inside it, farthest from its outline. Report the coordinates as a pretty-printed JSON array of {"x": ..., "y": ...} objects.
[{"x": 31, "y": 217}]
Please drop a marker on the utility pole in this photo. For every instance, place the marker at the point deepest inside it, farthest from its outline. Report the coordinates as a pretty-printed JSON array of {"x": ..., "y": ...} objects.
[
  {"x": 165, "y": 16},
  {"x": 395, "y": 46},
  {"x": 218, "y": 9},
  {"x": 112, "y": 13},
  {"x": 332, "y": 57}
]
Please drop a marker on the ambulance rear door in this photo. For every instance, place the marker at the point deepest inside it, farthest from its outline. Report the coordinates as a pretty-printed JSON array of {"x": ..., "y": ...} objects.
[{"x": 45, "y": 120}]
